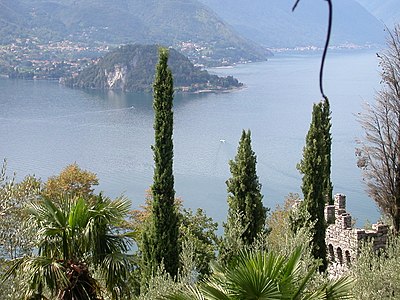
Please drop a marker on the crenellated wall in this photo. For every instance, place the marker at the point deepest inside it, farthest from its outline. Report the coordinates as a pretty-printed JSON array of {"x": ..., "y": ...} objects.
[{"x": 343, "y": 241}]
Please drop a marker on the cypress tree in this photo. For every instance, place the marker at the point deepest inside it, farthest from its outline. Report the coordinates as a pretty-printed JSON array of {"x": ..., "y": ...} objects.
[
  {"x": 160, "y": 239},
  {"x": 313, "y": 168},
  {"x": 326, "y": 127},
  {"x": 244, "y": 193}
]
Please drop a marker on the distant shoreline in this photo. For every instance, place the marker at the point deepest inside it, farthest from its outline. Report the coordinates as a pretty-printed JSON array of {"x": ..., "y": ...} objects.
[
  {"x": 333, "y": 49},
  {"x": 217, "y": 91}
]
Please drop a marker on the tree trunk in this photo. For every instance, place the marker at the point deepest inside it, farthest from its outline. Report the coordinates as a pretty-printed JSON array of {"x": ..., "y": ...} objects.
[{"x": 396, "y": 217}]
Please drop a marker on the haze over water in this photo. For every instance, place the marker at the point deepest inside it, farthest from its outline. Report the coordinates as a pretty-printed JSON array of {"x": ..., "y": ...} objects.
[{"x": 44, "y": 127}]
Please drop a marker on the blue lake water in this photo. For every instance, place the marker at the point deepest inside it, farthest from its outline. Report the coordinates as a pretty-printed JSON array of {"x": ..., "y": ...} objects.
[{"x": 45, "y": 126}]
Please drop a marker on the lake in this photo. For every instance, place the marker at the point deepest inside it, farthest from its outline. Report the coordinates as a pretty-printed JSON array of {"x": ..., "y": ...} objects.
[{"x": 45, "y": 126}]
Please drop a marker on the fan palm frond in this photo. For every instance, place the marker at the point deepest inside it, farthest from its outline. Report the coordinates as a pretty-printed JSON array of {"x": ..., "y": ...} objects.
[
  {"x": 256, "y": 275},
  {"x": 75, "y": 238}
]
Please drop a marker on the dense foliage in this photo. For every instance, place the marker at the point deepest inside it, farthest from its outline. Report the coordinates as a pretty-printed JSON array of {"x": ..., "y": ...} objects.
[
  {"x": 72, "y": 182},
  {"x": 245, "y": 206},
  {"x": 160, "y": 239},
  {"x": 197, "y": 236},
  {"x": 17, "y": 236},
  {"x": 75, "y": 239},
  {"x": 326, "y": 128},
  {"x": 377, "y": 274},
  {"x": 313, "y": 166}
]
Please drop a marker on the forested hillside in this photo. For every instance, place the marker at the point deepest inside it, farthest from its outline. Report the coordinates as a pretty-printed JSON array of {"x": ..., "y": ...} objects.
[
  {"x": 138, "y": 21},
  {"x": 131, "y": 68}
]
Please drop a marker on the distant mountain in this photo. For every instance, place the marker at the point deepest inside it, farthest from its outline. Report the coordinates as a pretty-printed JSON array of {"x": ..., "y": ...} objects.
[
  {"x": 387, "y": 11},
  {"x": 132, "y": 68},
  {"x": 12, "y": 20},
  {"x": 272, "y": 23},
  {"x": 167, "y": 22}
]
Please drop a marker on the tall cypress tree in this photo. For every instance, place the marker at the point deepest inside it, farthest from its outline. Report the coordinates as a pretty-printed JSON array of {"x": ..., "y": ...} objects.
[
  {"x": 313, "y": 168},
  {"x": 326, "y": 126},
  {"x": 245, "y": 199},
  {"x": 160, "y": 239}
]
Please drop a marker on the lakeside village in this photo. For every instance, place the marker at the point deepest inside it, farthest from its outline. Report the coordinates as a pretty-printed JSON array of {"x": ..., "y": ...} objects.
[{"x": 29, "y": 58}]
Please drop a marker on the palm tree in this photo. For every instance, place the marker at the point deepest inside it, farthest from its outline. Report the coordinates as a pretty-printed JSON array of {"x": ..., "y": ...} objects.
[
  {"x": 76, "y": 240},
  {"x": 263, "y": 275}
]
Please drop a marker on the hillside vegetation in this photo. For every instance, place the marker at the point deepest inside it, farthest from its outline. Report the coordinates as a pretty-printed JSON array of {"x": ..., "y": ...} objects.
[
  {"x": 169, "y": 23},
  {"x": 132, "y": 67}
]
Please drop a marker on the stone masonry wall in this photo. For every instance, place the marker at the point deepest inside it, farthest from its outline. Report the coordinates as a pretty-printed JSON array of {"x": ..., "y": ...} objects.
[{"x": 342, "y": 240}]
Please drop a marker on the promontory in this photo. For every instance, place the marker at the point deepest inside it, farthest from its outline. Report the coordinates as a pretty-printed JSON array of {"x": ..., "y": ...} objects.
[{"x": 132, "y": 67}]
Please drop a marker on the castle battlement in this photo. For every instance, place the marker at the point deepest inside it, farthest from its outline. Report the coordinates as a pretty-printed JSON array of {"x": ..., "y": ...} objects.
[{"x": 342, "y": 240}]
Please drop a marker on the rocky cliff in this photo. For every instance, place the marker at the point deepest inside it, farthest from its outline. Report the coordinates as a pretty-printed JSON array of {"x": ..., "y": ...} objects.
[{"x": 132, "y": 68}]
